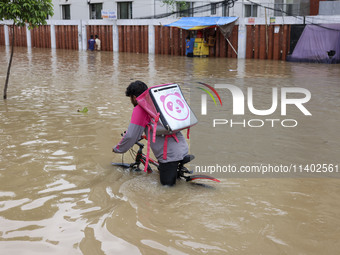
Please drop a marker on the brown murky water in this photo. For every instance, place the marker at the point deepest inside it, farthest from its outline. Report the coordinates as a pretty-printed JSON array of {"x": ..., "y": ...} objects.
[{"x": 59, "y": 193}]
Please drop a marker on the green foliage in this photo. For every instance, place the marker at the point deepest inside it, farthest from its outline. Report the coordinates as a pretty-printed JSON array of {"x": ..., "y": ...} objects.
[
  {"x": 85, "y": 110},
  {"x": 173, "y": 3},
  {"x": 33, "y": 12}
]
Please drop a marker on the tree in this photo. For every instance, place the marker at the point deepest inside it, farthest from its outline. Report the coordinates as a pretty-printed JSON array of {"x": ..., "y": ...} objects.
[
  {"x": 173, "y": 4},
  {"x": 32, "y": 12}
]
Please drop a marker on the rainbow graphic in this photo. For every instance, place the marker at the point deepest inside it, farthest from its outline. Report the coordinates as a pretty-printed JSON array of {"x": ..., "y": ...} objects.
[{"x": 204, "y": 97}]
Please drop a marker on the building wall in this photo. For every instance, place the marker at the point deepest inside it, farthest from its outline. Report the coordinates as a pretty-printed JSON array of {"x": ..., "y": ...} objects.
[
  {"x": 80, "y": 8},
  {"x": 142, "y": 36},
  {"x": 149, "y": 8},
  {"x": 329, "y": 8}
]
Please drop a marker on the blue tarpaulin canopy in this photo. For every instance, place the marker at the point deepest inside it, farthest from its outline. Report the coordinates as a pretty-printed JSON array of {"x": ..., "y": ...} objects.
[{"x": 197, "y": 23}]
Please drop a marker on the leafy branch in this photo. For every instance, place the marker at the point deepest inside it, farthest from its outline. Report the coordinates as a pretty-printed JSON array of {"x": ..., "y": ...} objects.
[{"x": 173, "y": 4}]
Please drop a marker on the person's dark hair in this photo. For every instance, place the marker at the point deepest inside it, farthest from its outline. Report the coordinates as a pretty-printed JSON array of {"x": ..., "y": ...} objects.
[
  {"x": 135, "y": 88},
  {"x": 96, "y": 36},
  {"x": 91, "y": 36}
]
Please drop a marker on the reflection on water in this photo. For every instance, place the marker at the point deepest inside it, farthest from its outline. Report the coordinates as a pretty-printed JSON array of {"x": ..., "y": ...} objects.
[{"x": 60, "y": 194}]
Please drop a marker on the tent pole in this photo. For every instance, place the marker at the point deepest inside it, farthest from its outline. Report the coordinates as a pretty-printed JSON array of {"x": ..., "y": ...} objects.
[{"x": 232, "y": 46}]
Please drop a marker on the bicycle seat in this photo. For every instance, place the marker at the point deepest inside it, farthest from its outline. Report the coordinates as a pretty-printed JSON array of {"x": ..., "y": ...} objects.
[{"x": 187, "y": 159}]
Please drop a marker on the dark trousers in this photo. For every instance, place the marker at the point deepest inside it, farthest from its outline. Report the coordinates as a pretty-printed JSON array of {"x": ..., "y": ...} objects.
[{"x": 168, "y": 173}]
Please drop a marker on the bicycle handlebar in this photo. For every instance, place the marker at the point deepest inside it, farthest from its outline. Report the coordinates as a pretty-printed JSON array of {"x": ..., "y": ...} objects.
[
  {"x": 141, "y": 138},
  {"x": 138, "y": 141}
]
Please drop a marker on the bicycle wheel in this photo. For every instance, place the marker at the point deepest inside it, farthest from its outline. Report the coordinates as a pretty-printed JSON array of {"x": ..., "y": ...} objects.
[
  {"x": 196, "y": 177},
  {"x": 149, "y": 169},
  {"x": 124, "y": 165}
]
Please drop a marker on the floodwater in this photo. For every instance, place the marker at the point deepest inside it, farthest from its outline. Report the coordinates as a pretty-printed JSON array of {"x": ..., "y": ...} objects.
[{"x": 59, "y": 193}]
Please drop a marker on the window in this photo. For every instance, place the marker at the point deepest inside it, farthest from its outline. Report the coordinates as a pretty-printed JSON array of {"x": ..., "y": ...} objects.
[
  {"x": 185, "y": 9},
  {"x": 225, "y": 10},
  {"x": 96, "y": 11},
  {"x": 213, "y": 9},
  {"x": 124, "y": 10},
  {"x": 250, "y": 10},
  {"x": 66, "y": 11},
  {"x": 289, "y": 10},
  {"x": 293, "y": 9},
  {"x": 278, "y": 8}
]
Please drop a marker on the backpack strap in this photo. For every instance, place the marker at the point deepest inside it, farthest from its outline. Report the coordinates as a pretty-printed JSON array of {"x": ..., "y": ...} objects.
[
  {"x": 165, "y": 148},
  {"x": 154, "y": 121},
  {"x": 148, "y": 150}
]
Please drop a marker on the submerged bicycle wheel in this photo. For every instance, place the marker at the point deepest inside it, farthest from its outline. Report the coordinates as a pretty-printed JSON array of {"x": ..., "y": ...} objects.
[
  {"x": 206, "y": 177},
  {"x": 124, "y": 165},
  {"x": 128, "y": 166}
]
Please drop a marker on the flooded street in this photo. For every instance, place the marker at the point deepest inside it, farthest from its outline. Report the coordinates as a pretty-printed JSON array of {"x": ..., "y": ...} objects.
[{"x": 59, "y": 193}]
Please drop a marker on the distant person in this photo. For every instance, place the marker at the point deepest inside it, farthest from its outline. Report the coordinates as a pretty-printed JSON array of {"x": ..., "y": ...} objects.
[
  {"x": 189, "y": 51},
  {"x": 98, "y": 43},
  {"x": 92, "y": 43}
]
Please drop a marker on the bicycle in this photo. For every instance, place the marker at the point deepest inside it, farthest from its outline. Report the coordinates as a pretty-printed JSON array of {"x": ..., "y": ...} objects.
[{"x": 182, "y": 171}]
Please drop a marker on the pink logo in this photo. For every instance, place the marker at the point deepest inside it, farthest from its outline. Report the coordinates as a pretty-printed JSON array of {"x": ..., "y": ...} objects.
[{"x": 175, "y": 106}]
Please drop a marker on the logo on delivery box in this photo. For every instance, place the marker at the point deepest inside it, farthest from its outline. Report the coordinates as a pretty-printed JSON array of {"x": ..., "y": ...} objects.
[{"x": 175, "y": 106}]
